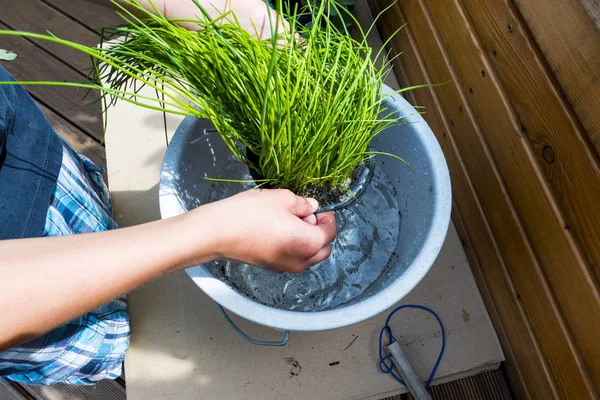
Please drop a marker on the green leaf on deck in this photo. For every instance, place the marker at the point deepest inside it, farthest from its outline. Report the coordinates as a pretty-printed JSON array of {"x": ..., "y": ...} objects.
[{"x": 7, "y": 55}]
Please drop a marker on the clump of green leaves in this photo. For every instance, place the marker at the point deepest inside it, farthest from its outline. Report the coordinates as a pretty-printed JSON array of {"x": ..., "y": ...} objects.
[{"x": 305, "y": 103}]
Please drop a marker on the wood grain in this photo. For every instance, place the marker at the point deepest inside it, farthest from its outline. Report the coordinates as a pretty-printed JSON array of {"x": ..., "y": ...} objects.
[
  {"x": 9, "y": 392},
  {"x": 518, "y": 340},
  {"x": 554, "y": 133},
  {"x": 592, "y": 7},
  {"x": 487, "y": 386},
  {"x": 473, "y": 141},
  {"x": 533, "y": 205},
  {"x": 497, "y": 159},
  {"x": 93, "y": 15},
  {"x": 80, "y": 142},
  {"x": 505, "y": 309},
  {"x": 41, "y": 18},
  {"x": 570, "y": 42},
  {"x": 104, "y": 390},
  {"x": 513, "y": 341},
  {"x": 35, "y": 64}
]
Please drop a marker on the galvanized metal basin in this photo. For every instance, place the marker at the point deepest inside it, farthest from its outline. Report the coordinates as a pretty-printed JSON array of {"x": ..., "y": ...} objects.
[{"x": 424, "y": 196}]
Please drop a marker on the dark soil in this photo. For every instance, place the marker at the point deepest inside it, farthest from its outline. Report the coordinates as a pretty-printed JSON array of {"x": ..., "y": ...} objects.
[
  {"x": 327, "y": 195},
  {"x": 324, "y": 194}
]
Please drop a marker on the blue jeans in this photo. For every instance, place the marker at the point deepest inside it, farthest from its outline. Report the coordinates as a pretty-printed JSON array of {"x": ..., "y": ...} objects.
[{"x": 30, "y": 159}]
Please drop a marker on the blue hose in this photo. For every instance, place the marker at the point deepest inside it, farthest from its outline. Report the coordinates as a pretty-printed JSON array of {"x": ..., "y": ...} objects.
[{"x": 388, "y": 368}]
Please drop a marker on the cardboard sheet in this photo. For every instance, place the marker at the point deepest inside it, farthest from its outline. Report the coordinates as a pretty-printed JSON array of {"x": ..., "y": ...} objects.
[{"x": 182, "y": 348}]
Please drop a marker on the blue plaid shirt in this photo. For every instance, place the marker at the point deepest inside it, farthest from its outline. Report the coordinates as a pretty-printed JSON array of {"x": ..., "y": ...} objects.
[{"x": 91, "y": 347}]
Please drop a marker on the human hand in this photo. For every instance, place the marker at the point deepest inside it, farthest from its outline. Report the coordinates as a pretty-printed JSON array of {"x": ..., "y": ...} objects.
[{"x": 274, "y": 229}]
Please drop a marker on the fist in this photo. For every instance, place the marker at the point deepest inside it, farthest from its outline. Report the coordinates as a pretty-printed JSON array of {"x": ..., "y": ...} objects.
[{"x": 273, "y": 229}]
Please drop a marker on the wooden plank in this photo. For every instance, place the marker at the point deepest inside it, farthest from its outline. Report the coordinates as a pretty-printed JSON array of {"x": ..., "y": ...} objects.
[
  {"x": 462, "y": 189},
  {"x": 515, "y": 342},
  {"x": 592, "y": 7},
  {"x": 521, "y": 341},
  {"x": 558, "y": 143},
  {"x": 9, "y": 392},
  {"x": 464, "y": 195},
  {"x": 542, "y": 227},
  {"x": 530, "y": 282},
  {"x": 34, "y": 64},
  {"x": 570, "y": 42},
  {"x": 103, "y": 390},
  {"x": 486, "y": 386},
  {"x": 94, "y": 16},
  {"x": 523, "y": 356},
  {"x": 41, "y": 18},
  {"x": 80, "y": 142},
  {"x": 507, "y": 314}
]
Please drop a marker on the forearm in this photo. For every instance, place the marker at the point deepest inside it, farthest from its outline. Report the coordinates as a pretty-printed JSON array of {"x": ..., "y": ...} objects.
[
  {"x": 252, "y": 14},
  {"x": 45, "y": 282},
  {"x": 180, "y": 8},
  {"x": 49, "y": 281}
]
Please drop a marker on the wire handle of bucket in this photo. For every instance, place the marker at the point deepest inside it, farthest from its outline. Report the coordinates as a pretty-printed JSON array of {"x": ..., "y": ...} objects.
[
  {"x": 248, "y": 338},
  {"x": 389, "y": 368}
]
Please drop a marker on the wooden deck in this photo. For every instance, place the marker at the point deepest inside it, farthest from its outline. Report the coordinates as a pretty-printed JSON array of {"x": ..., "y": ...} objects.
[
  {"x": 519, "y": 124},
  {"x": 72, "y": 115},
  {"x": 80, "y": 123}
]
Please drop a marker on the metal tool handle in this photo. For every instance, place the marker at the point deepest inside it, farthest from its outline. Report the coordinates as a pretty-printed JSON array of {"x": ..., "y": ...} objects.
[
  {"x": 248, "y": 338},
  {"x": 414, "y": 385}
]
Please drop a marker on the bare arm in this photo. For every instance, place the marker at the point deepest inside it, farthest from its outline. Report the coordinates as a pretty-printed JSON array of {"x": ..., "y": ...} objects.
[
  {"x": 49, "y": 281},
  {"x": 251, "y": 13}
]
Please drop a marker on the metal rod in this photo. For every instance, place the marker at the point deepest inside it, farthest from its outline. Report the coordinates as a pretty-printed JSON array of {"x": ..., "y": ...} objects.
[{"x": 407, "y": 373}]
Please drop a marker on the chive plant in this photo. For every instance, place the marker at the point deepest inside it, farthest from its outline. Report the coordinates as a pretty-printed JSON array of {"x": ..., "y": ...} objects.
[{"x": 300, "y": 108}]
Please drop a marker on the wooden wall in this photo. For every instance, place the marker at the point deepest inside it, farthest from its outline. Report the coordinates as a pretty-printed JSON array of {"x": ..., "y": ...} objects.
[{"x": 520, "y": 127}]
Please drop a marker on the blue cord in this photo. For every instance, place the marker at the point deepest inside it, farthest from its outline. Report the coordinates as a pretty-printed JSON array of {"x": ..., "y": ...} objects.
[
  {"x": 283, "y": 342},
  {"x": 389, "y": 369}
]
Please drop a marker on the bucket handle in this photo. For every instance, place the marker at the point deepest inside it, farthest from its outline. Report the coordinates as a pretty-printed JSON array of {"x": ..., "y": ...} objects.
[{"x": 248, "y": 338}]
